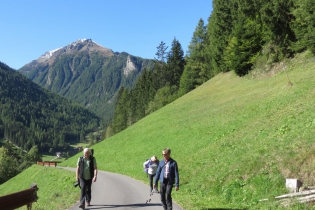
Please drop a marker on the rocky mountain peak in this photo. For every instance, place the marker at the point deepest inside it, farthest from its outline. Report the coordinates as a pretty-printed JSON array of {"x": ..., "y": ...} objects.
[
  {"x": 87, "y": 73},
  {"x": 80, "y": 45}
]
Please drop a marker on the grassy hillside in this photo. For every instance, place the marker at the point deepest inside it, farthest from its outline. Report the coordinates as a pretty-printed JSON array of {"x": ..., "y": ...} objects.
[
  {"x": 235, "y": 139},
  {"x": 56, "y": 190}
]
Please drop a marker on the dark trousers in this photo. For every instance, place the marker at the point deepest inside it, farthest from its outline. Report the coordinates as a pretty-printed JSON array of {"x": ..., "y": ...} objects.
[
  {"x": 166, "y": 198},
  {"x": 85, "y": 190},
  {"x": 151, "y": 176}
]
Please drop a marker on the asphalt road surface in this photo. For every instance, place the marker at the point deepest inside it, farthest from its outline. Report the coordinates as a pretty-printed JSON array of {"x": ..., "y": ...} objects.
[{"x": 116, "y": 191}]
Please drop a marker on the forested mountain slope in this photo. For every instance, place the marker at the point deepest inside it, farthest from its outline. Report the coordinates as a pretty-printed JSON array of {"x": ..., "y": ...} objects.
[
  {"x": 31, "y": 115},
  {"x": 86, "y": 73}
]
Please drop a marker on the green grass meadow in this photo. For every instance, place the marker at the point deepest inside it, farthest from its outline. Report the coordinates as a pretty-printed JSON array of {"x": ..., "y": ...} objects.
[
  {"x": 235, "y": 139},
  {"x": 55, "y": 187}
]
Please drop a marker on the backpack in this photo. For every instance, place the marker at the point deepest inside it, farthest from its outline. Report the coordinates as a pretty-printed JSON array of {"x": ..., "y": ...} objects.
[
  {"x": 92, "y": 153},
  {"x": 147, "y": 165}
]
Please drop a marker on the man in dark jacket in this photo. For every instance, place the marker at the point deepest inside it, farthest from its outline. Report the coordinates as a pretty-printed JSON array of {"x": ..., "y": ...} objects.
[
  {"x": 86, "y": 173},
  {"x": 167, "y": 173}
]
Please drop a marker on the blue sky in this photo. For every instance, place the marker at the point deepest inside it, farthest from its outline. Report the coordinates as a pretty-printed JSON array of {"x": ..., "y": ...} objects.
[{"x": 31, "y": 28}]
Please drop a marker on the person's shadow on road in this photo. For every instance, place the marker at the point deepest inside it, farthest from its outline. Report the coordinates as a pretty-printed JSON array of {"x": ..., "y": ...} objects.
[{"x": 95, "y": 206}]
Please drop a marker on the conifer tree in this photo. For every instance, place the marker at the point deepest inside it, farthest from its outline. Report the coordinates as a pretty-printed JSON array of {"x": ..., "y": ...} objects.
[
  {"x": 175, "y": 64},
  {"x": 304, "y": 25},
  {"x": 30, "y": 158},
  {"x": 133, "y": 100},
  {"x": 160, "y": 64},
  {"x": 219, "y": 28},
  {"x": 276, "y": 17},
  {"x": 161, "y": 52},
  {"x": 140, "y": 97},
  {"x": 9, "y": 162},
  {"x": 121, "y": 114},
  {"x": 245, "y": 40},
  {"x": 195, "y": 71}
]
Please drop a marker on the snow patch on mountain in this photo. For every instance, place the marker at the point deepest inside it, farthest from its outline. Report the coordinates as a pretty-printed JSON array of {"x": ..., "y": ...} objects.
[
  {"x": 77, "y": 42},
  {"x": 50, "y": 53},
  {"x": 83, "y": 40},
  {"x": 80, "y": 45}
]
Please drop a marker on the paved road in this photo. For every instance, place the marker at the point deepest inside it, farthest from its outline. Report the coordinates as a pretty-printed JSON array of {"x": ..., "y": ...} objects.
[{"x": 116, "y": 191}]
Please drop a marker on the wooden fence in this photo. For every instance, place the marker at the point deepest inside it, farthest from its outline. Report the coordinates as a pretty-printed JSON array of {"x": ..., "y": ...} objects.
[
  {"x": 48, "y": 163},
  {"x": 19, "y": 199}
]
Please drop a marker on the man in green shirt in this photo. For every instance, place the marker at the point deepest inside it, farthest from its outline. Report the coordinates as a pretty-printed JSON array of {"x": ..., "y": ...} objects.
[{"x": 86, "y": 173}]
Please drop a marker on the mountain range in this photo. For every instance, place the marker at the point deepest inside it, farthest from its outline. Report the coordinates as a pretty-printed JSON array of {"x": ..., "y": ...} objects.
[{"x": 87, "y": 73}]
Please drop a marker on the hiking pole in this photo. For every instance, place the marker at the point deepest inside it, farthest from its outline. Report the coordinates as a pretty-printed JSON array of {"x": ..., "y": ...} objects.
[{"x": 149, "y": 199}]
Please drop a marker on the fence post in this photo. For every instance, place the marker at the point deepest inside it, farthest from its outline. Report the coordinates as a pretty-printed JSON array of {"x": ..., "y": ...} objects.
[{"x": 21, "y": 198}]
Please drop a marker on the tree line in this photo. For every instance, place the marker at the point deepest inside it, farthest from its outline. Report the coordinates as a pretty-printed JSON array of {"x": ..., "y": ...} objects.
[
  {"x": 14, "y": 160},
  {"x": 239, "y": 36},
  {"x": 153, "y": 89}
]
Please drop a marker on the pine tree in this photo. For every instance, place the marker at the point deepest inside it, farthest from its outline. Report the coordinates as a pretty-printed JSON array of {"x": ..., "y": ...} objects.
[
  {"x": 30, "y": 158},
  {"x": 219, "y": 28},
  {"x": 304, "y": 25},
  {"x": 161, "y": 52},
  {"x": 121, "y": 115},
  {"x": 9, "y": 163},
  {"x": 276, "y": 17},
  {"x": 175, "y": 64},
  {"x": 245, "y": 40},
  {"x": 160, "y": 64},
  {"x": 133, "y": 100},
  {"x": 195, "y": 71},
  {"x": 140, "y": 96}
]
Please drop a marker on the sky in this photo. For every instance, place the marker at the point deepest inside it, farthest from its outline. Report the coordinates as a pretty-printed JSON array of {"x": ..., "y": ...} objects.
[{"x": 31, "y": 28}]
